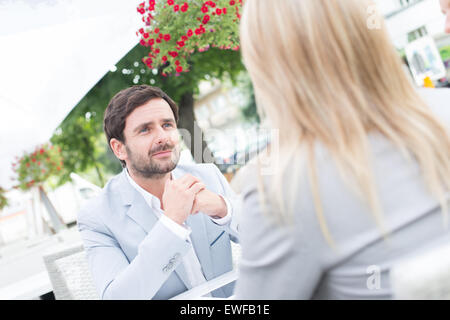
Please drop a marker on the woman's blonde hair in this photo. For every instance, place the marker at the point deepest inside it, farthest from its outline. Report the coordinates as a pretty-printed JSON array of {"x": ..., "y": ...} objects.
[{"x": 325, "y": 72}]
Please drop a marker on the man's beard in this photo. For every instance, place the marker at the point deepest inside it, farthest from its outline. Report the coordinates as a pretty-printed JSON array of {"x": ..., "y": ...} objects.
[{"x": 150, "y": 168}]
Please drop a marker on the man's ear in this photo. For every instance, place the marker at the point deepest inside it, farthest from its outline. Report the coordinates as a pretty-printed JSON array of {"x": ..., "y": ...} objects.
[{"x": 119, "y": 149}]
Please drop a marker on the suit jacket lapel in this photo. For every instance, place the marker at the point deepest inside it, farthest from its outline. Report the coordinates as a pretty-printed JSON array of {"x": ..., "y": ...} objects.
[{"x": 139, "y": 211}]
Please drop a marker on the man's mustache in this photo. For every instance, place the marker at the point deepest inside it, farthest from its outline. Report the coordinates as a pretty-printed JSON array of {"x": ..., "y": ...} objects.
[{"x": 165, "y": 147}]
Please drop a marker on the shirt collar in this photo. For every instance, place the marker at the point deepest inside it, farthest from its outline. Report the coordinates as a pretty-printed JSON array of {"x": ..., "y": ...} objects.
[{"x": 151, "y": 200}]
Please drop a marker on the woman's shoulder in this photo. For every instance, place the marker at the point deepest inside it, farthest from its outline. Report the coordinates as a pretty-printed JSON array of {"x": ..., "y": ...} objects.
[{"x": 439, "y": 102}]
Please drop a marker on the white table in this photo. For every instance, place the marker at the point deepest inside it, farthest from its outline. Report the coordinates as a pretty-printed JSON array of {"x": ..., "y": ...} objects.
[{"x": 198, "y": 292}]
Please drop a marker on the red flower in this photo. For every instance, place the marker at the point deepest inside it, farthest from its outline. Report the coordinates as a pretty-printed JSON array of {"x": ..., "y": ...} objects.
[
  {"x": 176, "y": 8},
  {"x": 167, "y": 37},
  {"x": 204, "y": 9},
  {"x": 141, "y": 30},
  {"x": 206, "y": 19},
  {"x": 145, "y": 35},
  {"x": 219, "y": 11},
  {"x": 157, "y": 30},
  {"x": 151, "y": 42},
  {"x": 170, "y": 2},
  {"x": 158, "y": 40},
  {"x": 232, "y": 3},
  {"x": 177, "y": 63},
  {"x": 179, "y": 69},
  {"x": 164, "y": 58},
  {"x": 41, "y": 151},
  {"x": 180, "y": 43},
  {"x": 190, "y": 33},
  {"x": 184, "y": 7}
]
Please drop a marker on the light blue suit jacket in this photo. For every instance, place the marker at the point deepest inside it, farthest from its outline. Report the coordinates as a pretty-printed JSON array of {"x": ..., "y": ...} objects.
[{"x": 132, "y": 255}]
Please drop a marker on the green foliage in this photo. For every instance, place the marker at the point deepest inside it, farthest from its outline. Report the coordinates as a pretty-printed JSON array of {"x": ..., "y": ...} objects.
[
  {"x": 250, "y": 111},
  {"x": 3, "y": 199},
  {"x": 445, "y": 53},
  {"x": 76, "y": 138},
  {"x": 37, "y": 167}
]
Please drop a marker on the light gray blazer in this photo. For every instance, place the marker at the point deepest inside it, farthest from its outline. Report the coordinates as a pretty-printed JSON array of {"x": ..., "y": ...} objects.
[
  {"x": 296, "y": 263},
  {"x": 132, "y": 255}
]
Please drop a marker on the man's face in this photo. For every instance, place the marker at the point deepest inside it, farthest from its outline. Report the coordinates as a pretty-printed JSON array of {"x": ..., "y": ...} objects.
[
  {"x": 445, "y": 6},
  {"x": 151, "y": 139}
]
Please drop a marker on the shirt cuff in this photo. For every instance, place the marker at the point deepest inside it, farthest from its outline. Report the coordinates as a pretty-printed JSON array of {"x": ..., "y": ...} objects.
[
  {"x": 180, "y": 230},
  {"x": 227, "y": 218}
]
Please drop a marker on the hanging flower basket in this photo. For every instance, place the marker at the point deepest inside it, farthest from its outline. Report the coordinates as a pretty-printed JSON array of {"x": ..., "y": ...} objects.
[
  {"x": 35, "y": 168},
  {"x": 175, "y": 29}
]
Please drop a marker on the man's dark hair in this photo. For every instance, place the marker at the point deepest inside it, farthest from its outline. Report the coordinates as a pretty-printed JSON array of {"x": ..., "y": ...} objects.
[{"x": 124, "y": 103}]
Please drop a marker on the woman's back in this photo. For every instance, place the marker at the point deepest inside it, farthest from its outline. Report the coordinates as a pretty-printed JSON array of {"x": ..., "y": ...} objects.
[{"x": 298, "y": 263}]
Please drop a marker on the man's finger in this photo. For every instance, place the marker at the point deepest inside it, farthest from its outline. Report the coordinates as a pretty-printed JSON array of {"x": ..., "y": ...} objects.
[
  {"x": 188, "y": 180},
  {"x": 197, "y": 187}
]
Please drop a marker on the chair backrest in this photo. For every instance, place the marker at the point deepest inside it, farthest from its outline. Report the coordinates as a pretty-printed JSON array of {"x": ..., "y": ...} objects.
[
  {"x": 69, "y": 274},
  {"x": 423, "y": 277}
]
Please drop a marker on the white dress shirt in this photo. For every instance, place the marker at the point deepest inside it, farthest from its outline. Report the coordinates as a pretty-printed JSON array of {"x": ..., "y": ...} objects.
[{"x": 190, "y": 260}]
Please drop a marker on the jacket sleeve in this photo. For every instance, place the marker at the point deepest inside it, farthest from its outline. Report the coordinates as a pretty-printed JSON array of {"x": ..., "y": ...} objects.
[{"x": 114, "y": 276}]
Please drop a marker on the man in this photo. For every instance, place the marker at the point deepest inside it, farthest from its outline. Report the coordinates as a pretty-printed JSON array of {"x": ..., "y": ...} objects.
[
  {"x": 157, "y": 229},
  {"x": 445, "y": 6}
]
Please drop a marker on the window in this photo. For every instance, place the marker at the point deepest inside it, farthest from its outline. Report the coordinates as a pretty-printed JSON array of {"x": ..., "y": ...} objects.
[{"x": 418, "y": 33}]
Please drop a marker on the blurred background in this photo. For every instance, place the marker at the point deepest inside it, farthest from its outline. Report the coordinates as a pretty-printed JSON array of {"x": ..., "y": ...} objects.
[{"x": 60, "y": 64}]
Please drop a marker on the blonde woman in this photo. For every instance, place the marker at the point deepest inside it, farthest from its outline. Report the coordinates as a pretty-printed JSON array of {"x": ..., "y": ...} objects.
[{"x": 360, "y": 174}]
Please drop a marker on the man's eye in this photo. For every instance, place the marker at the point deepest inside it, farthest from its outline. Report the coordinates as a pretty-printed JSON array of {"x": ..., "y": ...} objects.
[
  {"x": 167, "y": 125},
  {"x": 143, "y": 130}
]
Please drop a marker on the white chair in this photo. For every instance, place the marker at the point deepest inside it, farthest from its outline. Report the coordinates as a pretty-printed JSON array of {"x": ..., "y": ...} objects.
[
  {"x": 69, "y": 274},
  {"x": 423, "y": 277}
]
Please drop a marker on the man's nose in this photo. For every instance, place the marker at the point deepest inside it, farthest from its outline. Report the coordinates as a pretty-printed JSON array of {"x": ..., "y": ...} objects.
[{"x": 162, "y": 136}]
